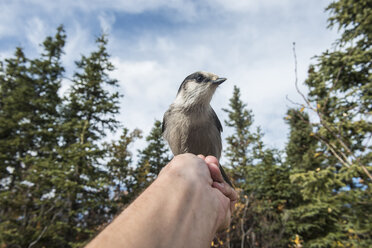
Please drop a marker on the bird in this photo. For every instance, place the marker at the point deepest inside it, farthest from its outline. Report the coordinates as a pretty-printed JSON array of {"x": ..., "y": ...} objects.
[{"x": 190, "y": 125}]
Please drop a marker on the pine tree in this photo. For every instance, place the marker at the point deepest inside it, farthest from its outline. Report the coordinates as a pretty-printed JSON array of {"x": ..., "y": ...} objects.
[
  {"x": 29, "y": 103},
  {"x": 308, "y": 216},
  {"x": 59, "y": 183},
  {"x": 261, "y": 179},
  {"x": 150, "y": 160},
  {"x": 240, "y": 160},
  {"x": 340, "y": 96},
  {"x": 88, "y": 113},
  {"x": 241, "y": 142},
  {"x": 16, "y": 92},
  {"x": 301, "y": 147},
  {"x": 120, "y": 169}
]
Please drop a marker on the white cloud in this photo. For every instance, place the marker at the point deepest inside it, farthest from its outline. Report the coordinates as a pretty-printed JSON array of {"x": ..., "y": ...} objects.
[
  {"x": 128, "y": 6},
  {"x": 106, "y": 21},
  {"x": 145, "y": 85},
  {"x": 80, "y": 41},
  {"x": 36, "y": 31},
  {"x": 246, "y": 5},
  {"x": 249, "y": 42},
  {"x": 6, "y": 18}
]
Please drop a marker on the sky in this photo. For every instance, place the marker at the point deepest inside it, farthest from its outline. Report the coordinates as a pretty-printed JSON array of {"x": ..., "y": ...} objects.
[{"x": 155, "y": 44}]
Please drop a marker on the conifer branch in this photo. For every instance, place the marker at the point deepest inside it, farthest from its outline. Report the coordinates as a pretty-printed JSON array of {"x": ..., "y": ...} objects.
[
  {"x": 45, "y": 228},
  {"x": 341, "y": 156},
  {"x": 83, "y": 132},
  {"x": 296, "y": 75},
  {"x": 242, "y": 221}
]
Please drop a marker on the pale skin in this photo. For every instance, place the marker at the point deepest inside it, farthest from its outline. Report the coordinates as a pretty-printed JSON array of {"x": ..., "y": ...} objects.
[{"x": 184, "y": 207}]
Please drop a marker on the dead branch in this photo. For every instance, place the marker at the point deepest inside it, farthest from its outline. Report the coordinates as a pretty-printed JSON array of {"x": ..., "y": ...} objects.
[{"x": 341, "y": 156}]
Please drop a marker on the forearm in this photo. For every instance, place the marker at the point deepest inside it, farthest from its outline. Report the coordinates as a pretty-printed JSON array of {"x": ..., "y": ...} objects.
[{"x": 175, "y": 211}]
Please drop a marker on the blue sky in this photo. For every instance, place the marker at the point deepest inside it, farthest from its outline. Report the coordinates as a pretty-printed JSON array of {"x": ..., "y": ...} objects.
[{"x": 155, "y": 44}]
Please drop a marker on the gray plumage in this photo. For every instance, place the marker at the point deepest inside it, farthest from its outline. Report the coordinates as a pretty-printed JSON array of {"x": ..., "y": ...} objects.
[{"x": 190, "y": 124}]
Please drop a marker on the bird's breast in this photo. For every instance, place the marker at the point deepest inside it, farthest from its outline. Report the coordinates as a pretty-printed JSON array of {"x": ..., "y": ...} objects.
[{"x": 193, "y": 132}]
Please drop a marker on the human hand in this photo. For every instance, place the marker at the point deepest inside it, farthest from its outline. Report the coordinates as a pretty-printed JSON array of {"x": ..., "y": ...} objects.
[
  {"x": 187, "y": 203},
  {"x": 201, "y": 170},
  {"x": 224, "y": 188}
]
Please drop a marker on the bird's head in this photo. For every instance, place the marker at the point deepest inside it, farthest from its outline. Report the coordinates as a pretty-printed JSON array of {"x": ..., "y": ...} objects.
[{"x": 197, "y": 89}]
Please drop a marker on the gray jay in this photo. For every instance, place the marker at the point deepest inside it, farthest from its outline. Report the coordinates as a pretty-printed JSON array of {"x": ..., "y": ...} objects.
[{"x": 190, "y": 124}]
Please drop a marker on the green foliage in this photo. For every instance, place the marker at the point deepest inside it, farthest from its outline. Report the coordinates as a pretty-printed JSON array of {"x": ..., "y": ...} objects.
[
  {"x": 312, "y": 215},
  {"x": 119, "y": 166},
  {"x": 28, "y": 117},
  {"x": 60, "y": 183},
  {"x": 150, "y": 160},
  {"x": 335, "y": 185},
  {"x": 88, "y": 111},
  {"x": 55, "y": 189},
  {"x": 301, "y": 149},
  {"x": 262, "y": 181},
  {"x": 240, "y": 119},
  {"x": 354, "y": 19}
]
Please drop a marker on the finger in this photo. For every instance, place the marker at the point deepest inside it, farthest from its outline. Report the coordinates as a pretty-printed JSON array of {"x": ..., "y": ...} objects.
[
  {"x": 215, "y": 172},
  {"x": 201, "y": 156},
  {"x": 211, "y": 160},
  {"x": 219, "y": 175},
  {"x": 228, "y": 191}
]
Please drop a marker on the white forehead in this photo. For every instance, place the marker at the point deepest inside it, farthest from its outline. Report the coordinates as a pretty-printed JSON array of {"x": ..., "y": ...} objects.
[
  {"x": 193, "y": 92},
  {"x": 208, "y": 75}
]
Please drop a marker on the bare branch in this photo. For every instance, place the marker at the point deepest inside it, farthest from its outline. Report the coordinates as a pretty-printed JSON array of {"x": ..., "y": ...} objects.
[
  {"x": 39, "y": 237},
  {"x": 293, "y": 102},
  {"x": 296, "y": 77},
  {"x": 340, "y": 155},
  {"x": 322, "y": 139},
  {"x": 45, "y": 228}
]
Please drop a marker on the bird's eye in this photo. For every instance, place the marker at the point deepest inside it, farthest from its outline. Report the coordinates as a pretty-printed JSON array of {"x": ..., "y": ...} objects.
[{"x": 200, "y": 78}]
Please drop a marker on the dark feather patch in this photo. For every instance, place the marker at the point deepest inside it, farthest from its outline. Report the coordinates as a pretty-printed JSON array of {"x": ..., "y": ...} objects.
[
  {"x": 217, "y": 121},
  {"x": 196, "y": 76}
]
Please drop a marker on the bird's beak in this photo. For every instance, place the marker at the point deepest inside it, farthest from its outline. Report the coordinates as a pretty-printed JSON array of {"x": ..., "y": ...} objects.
[{"x": 219, "y": 81}]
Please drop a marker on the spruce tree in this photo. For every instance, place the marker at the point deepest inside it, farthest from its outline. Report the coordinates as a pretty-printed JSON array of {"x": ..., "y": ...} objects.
[
  {"x": 88, "y": 114},
  {"x": 241, "y": 142},
  {"x": 239, "y": 153},
  {"x": 262, "y": 181},
  {"x": 301, "y": 146},
  {"x": 28, "y": 116},
  {"x": 308, "y": 217},
  {"x": 339, "y": 95},
  {"x": 150, "y": 160},
  {"x": 58, "y": 185},
  {"x": 120, "y": 169}
]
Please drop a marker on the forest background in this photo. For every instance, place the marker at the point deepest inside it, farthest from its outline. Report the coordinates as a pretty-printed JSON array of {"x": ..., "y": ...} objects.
[{"x": 62, "y": 180}]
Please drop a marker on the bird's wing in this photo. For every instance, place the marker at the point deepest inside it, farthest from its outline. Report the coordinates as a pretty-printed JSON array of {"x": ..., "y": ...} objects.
[{"x": 217, "y": 121}]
